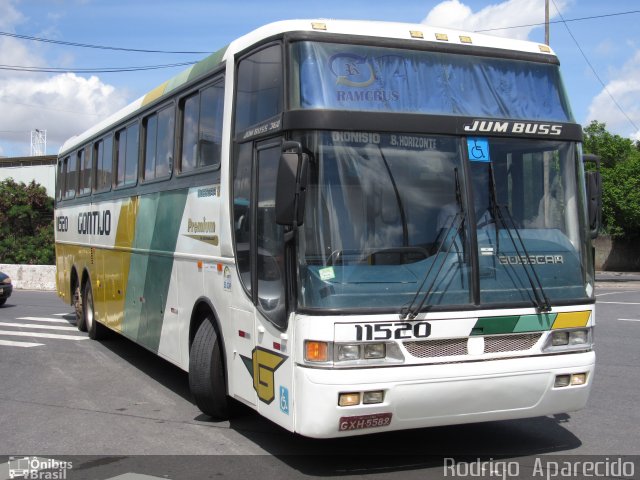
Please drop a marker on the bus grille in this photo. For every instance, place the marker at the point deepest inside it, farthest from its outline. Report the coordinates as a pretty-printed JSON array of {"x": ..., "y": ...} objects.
[{"x": 454, "y": 347}]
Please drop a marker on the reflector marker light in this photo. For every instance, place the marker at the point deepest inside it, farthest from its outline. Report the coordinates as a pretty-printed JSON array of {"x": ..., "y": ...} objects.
[
  {"x": 465, "y": 39},
  {"x": 442, "y": 36},
  {"x": 319, "y": 26},
  {"x": 416, "y": 34}
]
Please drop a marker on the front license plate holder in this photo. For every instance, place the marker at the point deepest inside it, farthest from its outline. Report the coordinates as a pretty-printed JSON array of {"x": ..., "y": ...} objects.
[{"x": 359, "y": 422}]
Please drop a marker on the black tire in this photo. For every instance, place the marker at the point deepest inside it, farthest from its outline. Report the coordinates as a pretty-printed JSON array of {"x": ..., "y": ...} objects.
[
  {"x": 2, "y": 301},
  {"x": 207, "y": 372},
  {"x": 78, "y": 305},
  {"x": 96, "y": 330}
]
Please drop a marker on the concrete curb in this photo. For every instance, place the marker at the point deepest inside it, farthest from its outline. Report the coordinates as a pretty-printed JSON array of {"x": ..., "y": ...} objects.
[{"x": 31, "y": 277}]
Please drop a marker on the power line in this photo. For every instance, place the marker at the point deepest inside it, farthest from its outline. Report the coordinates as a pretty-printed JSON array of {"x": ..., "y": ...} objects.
[
  {"x": 594, "y": 70},
  {"x": 40, "y": 107},
  {"x": 100, "y": 47},
  {"x": 560, "y": 21},
  {"x": 20, "y": 68}
]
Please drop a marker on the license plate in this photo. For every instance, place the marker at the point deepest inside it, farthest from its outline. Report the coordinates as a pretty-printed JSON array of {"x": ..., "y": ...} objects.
[{"x": 359, "y": 422}]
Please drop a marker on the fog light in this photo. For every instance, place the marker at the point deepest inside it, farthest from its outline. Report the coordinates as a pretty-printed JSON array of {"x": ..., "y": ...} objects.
[
  {"x": 559, "y": 338},
  {"x": 316, "y": 351},
  {"x": 373, "y": 397},
  {"x": 349, "y": 399},
  {"x": 562, "y": 381},
  {"x": 578, "y": 337},
  {"x": 348, "y": 352},
  {"x": 375, "y": 350},
  {"x": 578, "y": 379}
]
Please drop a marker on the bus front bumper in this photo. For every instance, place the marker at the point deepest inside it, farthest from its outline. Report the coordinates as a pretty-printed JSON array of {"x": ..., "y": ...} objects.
[{"x": 432, "y": 395}]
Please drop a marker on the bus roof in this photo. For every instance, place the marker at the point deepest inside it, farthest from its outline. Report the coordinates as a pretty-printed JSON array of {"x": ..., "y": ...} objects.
[{"x": 387, "y": 30}]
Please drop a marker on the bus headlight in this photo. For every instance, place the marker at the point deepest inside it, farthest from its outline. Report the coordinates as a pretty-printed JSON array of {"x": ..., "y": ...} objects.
[
  {"x": 574, "y": 339},
  {"x": 347, "y": 352},
  {"x": 351, "y": 354}
]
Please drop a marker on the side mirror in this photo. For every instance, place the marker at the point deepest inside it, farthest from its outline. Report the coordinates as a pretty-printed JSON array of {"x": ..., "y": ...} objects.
[
  {"x": 291, "y": 185},
  {"x": 593, "y": 182}
]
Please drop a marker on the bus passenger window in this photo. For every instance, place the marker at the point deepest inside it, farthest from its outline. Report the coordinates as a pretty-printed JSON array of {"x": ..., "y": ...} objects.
[
  {"x": 104, "y": 161},
  {"x": 127, "y": 155},
  {"x": 158, "y": 154},
  {"x": 84, "y": 162},
  {"x": 72, "y": 177},
  {"x": 202, "y": 129},
  {"x": 62, "y": 172},
  {"x": 210, "y": 132}
]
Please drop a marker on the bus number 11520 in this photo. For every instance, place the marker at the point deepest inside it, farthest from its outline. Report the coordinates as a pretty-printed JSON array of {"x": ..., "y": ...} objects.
[{"x": 389, "y": 331}]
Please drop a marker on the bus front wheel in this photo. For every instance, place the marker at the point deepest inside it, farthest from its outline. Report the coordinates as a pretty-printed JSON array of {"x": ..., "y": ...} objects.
[{"x": 206, "y": 372}]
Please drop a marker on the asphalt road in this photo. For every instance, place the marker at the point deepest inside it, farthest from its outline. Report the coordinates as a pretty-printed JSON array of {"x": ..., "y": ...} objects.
[{"x": 64, "y": 395}]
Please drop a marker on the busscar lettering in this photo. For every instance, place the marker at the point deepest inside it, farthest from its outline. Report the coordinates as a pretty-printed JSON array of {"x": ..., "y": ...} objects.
[
  {"x": 94, "y": 222},
  {"x": 518, "y": 128},
  {"x": 531, "y": 259}
]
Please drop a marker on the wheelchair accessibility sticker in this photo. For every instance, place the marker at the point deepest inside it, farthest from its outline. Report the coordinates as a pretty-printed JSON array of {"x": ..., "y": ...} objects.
[
  {"x": 478, "y": 149},
  {"x": 284, "y": 400}
]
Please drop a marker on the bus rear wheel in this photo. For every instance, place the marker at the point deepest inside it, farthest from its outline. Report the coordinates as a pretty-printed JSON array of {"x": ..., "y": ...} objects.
[
  {"x": 206, "y": 372},
  {"x": 95, "y": 329}
]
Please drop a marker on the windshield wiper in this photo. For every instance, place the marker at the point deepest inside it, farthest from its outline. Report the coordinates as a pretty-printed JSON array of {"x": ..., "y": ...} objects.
[
  {"x": 410, "y": 312},
  {"x": 541, "y": 300}
]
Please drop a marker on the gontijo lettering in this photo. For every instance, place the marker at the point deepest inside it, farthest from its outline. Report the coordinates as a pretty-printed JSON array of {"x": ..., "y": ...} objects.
[{"x": 95, "y": 222}]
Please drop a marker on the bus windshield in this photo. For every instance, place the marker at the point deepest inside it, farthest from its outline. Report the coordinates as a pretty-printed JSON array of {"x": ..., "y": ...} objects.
[
  {"x": 379, "y": 79},
  {"x": 391, "y": 215}
]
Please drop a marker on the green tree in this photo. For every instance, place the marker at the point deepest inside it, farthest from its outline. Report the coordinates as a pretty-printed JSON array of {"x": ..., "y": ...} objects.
[
  {"x": 26, "y": 224},
  {"x": 620, "y": 180},
  {"x": 611, "y": 148}
]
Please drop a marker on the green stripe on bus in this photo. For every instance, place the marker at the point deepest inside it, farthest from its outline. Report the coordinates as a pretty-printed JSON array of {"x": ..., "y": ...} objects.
[
  {"x": 513, "y": 324},
  {"x": 208, "y": 64},
  {"x": 157, "y": 228}
]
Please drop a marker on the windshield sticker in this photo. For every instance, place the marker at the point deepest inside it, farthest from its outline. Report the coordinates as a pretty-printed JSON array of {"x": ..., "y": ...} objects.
[
  {"x": 478, "y": 149},
  {"x": 327, "y": 273}
]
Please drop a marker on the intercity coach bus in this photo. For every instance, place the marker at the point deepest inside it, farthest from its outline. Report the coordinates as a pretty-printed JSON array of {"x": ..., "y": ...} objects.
[{"x": 351, "y": 227}]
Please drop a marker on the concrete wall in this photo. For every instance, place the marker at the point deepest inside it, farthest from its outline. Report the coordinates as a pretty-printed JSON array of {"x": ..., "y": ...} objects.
[
  {"x": 31, "y": 277},
  {"x": 45, "y": 175},
  {"x": 616, "y": 255}
]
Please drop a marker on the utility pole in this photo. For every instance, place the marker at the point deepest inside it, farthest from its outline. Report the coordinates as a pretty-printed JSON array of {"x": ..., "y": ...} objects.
[{"x": 546, "y": 22}]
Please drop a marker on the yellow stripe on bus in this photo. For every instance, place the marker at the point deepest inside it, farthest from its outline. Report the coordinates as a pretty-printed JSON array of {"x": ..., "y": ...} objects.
[
  {"x": 571, "y": 319},
  {"x": 115, "y": 268},
  {"x": 154, "y": 94}
]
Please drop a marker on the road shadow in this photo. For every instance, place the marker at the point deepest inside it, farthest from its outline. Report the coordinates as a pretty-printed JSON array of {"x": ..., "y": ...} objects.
[
  {"x": 409, "y": 451},
  {"x": 155, "y": 367}
]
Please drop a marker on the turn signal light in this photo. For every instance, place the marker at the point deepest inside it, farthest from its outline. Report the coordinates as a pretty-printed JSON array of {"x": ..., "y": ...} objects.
[{"x": 315, "y": 351}]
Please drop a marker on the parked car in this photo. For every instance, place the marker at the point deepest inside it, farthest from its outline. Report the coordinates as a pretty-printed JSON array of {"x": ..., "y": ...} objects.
[{"x": 6, "y": 288}]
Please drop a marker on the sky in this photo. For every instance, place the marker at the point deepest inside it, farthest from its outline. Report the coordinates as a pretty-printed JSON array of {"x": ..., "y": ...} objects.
[{"x": 600, "y": 57}]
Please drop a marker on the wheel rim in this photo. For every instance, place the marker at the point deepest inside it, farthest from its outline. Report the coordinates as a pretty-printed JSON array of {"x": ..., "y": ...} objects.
[{"x": 89, "y": 308}]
